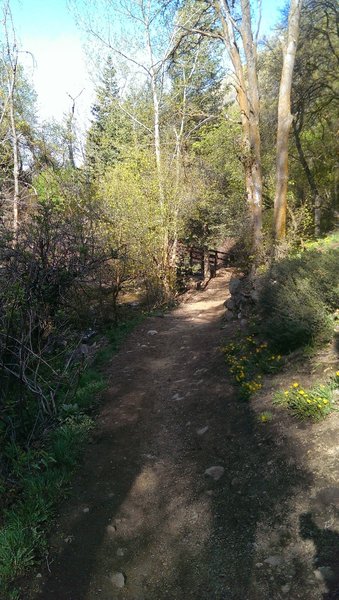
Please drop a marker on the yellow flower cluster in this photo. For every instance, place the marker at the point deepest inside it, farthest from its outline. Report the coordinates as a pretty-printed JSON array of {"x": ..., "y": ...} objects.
[
  {"x": 245, "y": 360},
  {"x": 305, "y": 403}
]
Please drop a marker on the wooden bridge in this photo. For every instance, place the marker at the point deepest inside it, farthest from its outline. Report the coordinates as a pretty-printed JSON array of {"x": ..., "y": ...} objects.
[{"x": 216, "y": 258}]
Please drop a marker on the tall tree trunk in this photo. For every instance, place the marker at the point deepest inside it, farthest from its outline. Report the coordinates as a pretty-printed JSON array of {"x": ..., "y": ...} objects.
[
  {"x": 248, "y": 100},
  {"x": 285, "y": 121},
  {"x": 15, "y": 154},
  {"x": 253, "y": 118},
  {"x": 317, "y": 199}
]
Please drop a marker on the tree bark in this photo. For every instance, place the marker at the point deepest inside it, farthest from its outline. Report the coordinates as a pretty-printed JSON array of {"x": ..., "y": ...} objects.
[
  {"x": 248, "y": 100},
  {"x": 285, "y": 121}
]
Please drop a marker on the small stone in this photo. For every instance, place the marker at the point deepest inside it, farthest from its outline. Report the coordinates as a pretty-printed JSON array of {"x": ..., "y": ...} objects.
[
  {"x": 152, "y": 332},
  {"x": 285, "y": 588},
  {"x": 118, "y": 579},
  {"x": 69, "y": 539},
  {"x": 216, "y": 472},
  {"x": 85, "y": 510},
  {"x": 202, "y": 430},
  {"x": 234, "y": 284},
  {"x": 230, "y": 304},
  {"x": 120, "y": 552},
  {"x": 258, "y": 565},
  {"x": 38, "y": 575},
  {"x": 177, "y": 397},
  {"x": 111, "y": 529},
  {"x": 273, "y": 561}
]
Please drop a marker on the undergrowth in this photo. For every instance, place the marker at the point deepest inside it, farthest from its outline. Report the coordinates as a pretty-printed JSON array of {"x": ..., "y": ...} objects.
[
  {"x": 314, "y": 403},
  {"x": 299, "y": 296},
  {"x": 247, "y": 361},
  {"x": 38, "y": 473}
]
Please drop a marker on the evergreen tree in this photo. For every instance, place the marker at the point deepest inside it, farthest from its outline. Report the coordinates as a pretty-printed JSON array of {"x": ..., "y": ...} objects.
[{"x": 109, "y": 128}]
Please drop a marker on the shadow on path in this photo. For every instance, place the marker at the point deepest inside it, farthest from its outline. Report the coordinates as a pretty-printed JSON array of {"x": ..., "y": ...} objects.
[
  {"x": 174, "y": 533},
  {"x": 326, "y": 560}
]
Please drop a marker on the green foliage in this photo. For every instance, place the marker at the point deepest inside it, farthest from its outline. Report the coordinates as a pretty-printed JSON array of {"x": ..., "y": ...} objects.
[
  {"x": 40, "y": 474},
  {"x": 218, "y": 165},
  {"x": 247, "y": 360},
  {"x": 110, "y": 130},
  {"x": 298, "y": 297},
  {"x": 314, "y": 403}
]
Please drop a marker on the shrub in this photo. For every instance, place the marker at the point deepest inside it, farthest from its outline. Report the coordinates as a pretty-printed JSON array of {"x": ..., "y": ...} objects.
[{"x": 297, "y": 299}]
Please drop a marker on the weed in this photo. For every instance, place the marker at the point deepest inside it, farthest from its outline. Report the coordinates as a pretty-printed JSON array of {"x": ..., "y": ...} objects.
[
  {"x": 314, "y": 403},
  {"x": 41, "y": 474},
  {"x": 247, "y": 360},
  {"x": 265, "y": 417}
]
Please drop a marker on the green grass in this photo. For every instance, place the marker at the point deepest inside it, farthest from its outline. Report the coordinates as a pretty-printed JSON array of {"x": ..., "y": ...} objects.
[
  {"x": 42, "y": 475},
  {"x": 313, "y": 403}
]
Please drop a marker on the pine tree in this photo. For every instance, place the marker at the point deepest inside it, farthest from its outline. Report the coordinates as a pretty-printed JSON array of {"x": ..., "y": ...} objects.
[{"x": 109, "y": 128}]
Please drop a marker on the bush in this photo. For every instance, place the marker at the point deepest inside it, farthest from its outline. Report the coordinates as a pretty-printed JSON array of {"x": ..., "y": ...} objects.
[{"x": 298, "y": 297}]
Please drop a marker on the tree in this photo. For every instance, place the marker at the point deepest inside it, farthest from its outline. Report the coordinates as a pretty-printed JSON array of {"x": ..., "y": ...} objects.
[
  {"x": 315, "y": 97},
  {"x": 110, "y": 128},
  {"x": 285, "y": 120},
  {"x": 17, "y": 119},
  {"x": 233, "y": 23}
]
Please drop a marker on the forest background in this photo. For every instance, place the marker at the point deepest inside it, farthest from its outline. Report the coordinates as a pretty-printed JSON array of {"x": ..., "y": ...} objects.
[{"x": 201, "y": 131}]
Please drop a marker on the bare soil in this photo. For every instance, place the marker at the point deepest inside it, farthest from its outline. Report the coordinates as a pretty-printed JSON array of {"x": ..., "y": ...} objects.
[{"x": 143, "y": 513}]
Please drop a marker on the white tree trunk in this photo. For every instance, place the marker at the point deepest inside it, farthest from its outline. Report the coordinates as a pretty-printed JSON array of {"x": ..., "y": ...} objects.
[{"x": 285, "y": 120}]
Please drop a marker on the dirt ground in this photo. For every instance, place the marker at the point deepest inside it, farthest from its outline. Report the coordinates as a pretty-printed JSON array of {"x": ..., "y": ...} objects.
[{"x": 145, "y": 516}]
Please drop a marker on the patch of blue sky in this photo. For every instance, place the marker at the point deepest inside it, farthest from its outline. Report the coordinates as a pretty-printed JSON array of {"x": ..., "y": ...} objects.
[{"x": 48, "y": 29}]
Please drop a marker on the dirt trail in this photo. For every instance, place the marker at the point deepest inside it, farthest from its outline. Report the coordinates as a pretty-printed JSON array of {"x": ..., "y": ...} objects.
[{"x": 142, "y": 506}]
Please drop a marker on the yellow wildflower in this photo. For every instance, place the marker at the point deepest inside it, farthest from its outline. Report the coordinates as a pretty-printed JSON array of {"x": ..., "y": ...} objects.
[{"x": 295, "y": 385}]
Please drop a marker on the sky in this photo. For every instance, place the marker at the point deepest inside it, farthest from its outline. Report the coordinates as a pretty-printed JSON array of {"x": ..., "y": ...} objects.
[{"x": 48, "y": 30}]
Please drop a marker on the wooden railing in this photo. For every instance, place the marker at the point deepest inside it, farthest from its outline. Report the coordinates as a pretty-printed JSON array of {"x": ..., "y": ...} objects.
[{"x": 216, "y": 258}]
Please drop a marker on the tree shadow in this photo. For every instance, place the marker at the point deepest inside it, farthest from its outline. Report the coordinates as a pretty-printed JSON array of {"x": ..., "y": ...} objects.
[
  {"x": 186, "y": 536},
  {"x": 326, "y": 560}
]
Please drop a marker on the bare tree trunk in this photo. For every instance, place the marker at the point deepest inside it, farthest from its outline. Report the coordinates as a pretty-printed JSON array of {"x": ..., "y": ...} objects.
[
  {"x": 253, "y": 117},
  {"x": 285, "y": 121},
  {"x": 11, "y": 66},
  {"x": 248, "y": 100},
  {"x": 317, "y": 199}
]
